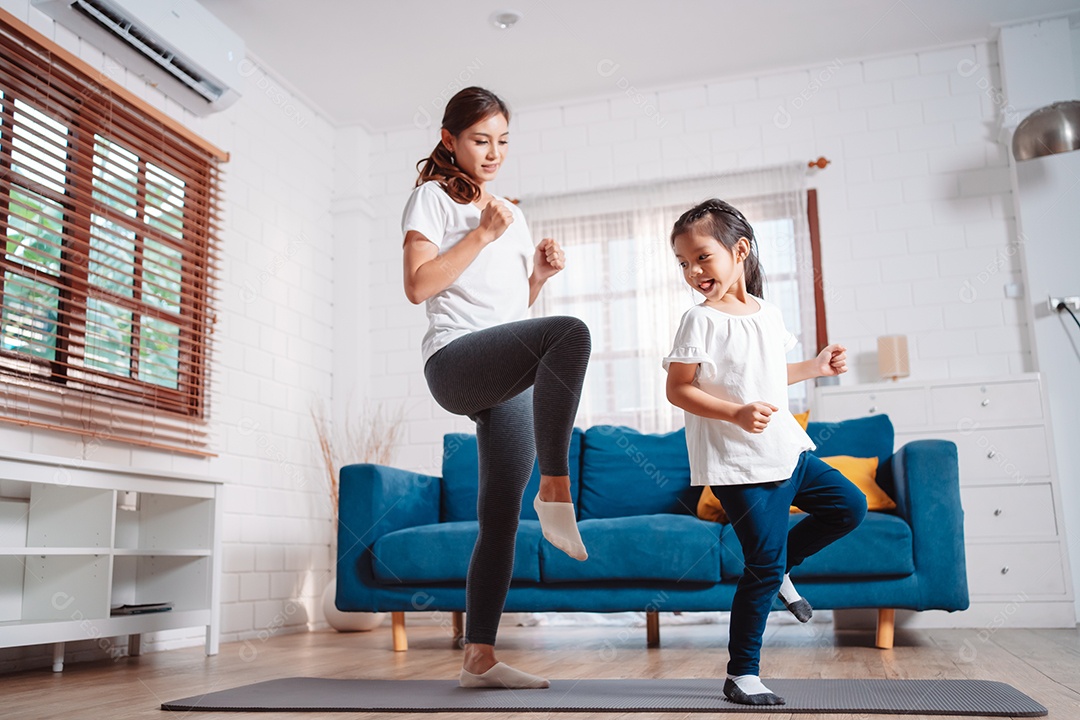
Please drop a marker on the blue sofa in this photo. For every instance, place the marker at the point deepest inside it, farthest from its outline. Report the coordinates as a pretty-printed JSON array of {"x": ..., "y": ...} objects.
[{"x": 405, "y": 539}]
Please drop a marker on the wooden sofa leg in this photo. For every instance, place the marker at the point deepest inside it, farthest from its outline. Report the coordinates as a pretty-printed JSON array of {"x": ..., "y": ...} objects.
[
  {"x": 652, "y": 629},
  {"x": 886, "y": 619},
  {"x": 397, "y": 622},
  {"x": 459, "y": 628}
]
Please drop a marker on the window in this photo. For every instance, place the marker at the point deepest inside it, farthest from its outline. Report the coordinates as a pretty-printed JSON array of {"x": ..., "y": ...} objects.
[
  {"x": 108, "y": 210},
  {"x": 622, "y": 279}
]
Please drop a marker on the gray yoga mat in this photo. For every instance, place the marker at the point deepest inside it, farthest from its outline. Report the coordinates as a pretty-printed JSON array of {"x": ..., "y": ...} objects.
[{"x": 900, "y": 697}]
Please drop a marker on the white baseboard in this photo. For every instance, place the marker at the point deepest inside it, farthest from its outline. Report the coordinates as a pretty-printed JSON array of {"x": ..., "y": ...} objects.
[{"x": 997, "y": 615}]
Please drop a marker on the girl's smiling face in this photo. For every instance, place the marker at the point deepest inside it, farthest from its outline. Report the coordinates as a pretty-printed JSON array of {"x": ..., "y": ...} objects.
[
  {"x": 480, "y": 150},
  {"x": 707, "y": 265}
]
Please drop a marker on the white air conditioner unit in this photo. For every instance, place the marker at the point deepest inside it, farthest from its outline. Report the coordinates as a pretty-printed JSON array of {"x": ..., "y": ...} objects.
[{"x": 176, "y": 45}]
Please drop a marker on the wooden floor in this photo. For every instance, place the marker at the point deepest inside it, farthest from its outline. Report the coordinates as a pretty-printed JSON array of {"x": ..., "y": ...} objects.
[{"x": 1043, "y": 663}]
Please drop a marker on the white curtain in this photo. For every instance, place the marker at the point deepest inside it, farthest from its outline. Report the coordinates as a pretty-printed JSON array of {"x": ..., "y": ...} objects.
[{"x": 622, "y": 280}]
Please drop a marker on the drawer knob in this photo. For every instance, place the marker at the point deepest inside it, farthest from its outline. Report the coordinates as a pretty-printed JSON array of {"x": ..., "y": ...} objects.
[
  {"x": 997, "y": 512},
  {"x": 991, "y": 454},
  {"x": 873, "y": 409},
  {"x": 1005, "y": 570},
  {"x": 985, "y": 402}
]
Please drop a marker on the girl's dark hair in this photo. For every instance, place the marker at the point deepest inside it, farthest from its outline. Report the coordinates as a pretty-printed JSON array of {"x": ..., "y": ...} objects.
[
  {"x": 465, "y": 109},
  {"x": 722, "y": 221}
]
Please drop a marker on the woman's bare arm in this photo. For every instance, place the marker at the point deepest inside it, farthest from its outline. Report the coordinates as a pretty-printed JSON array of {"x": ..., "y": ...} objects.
[{"x": 427, "y": 272}]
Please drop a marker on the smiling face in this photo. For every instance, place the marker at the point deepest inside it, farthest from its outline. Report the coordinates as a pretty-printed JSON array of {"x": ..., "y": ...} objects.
[
  {"x": 708, "y": 266},
  {"x": 481, "y": 148}
]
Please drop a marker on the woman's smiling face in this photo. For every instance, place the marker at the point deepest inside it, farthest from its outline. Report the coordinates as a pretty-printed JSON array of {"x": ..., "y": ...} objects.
[{"x": 481, "y": 148}]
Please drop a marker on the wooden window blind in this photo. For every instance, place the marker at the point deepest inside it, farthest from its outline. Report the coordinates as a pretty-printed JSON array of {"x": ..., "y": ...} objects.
[{"x": 108, "y": 274}]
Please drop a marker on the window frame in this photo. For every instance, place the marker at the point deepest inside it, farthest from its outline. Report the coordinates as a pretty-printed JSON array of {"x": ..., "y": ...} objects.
[
  {"x": 165, "y": 150},
  {"x": 609, "y": 410}
]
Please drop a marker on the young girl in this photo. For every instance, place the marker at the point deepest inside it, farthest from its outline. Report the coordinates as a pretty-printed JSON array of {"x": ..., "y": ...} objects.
[
  {"x": 728, "y": 371},
  {"x": 469, "y": 257}
]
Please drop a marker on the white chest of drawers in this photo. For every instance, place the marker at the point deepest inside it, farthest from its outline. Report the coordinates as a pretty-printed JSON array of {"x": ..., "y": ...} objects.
[{"x": 1017, "y": 563}]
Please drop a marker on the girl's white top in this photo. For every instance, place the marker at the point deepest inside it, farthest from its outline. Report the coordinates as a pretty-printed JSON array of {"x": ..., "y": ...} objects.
[
  {"x": 740, "y": 358},
  {"x": 491, "y": 291}
]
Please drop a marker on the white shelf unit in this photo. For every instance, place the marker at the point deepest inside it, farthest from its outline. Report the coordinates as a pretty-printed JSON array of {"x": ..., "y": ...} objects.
[
  {"x": 1017, "y": 563},
  {"x": 78, "y": 538}
]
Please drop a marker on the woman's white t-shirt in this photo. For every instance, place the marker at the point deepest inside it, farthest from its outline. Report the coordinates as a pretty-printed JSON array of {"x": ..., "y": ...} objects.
[
  {"x": 742, "y": 359},
  {"x": 493, "y": 290}
]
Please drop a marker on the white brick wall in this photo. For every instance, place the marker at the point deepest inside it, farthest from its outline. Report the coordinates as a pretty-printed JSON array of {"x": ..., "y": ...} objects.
[
  {"x": 273, "y": 350},
  {"x": 916, "y": 212}
]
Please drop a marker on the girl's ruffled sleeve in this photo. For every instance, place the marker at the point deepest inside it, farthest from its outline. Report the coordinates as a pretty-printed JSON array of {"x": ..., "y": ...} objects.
[
  {"x": 789, "y": 338},
  {"x": 691, "y": 342}
]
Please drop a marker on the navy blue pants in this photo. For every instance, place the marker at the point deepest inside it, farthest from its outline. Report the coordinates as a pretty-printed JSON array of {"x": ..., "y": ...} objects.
[{"x": 759, "y": 515}]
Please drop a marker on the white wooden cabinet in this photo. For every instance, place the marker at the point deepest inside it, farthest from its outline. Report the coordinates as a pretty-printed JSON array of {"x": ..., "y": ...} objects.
[
  {"x": 79, "y": 538},
  {"x": 1017, "y": 563}
]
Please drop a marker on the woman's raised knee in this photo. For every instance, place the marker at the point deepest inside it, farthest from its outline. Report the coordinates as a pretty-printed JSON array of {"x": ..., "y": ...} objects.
[{"x": 572, "y": 332}]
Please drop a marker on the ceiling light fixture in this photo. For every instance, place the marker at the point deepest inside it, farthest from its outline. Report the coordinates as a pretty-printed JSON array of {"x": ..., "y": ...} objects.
[{"x": 505, "y": 19}]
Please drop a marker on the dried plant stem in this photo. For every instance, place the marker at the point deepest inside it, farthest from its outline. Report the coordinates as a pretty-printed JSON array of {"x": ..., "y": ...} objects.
[
  {"x": 326, "y": 449},
  {"x": 369, "y": 436}
]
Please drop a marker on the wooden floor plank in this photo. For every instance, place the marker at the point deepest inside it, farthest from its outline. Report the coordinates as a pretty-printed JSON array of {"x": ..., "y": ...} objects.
[
  {"x": 995, "y": 657},
  {"x": 1042, "y": 663}
]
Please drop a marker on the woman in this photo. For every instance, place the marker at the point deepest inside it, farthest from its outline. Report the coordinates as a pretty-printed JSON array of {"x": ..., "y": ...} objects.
[{"x": 470, "y": 258}]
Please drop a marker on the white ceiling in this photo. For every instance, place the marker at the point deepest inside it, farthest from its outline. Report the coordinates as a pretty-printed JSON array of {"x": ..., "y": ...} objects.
[{"x": 375, "y": 63}]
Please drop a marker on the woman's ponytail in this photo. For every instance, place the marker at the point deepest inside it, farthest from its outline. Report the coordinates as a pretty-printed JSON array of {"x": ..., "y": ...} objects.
[{"x": 441, "y": 167}]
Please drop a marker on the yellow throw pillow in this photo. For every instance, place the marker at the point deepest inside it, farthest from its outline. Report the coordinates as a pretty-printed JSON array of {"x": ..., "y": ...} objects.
[
  {"x": 709, "y": 508},
  {"x": 803, "y": 418},
  {"x": 861, "y": 471}
]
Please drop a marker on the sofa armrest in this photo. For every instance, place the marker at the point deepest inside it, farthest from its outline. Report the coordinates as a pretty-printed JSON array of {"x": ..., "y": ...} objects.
[
  {"x": 374, "y": 500},
  {"x": 926, "y": 479}
]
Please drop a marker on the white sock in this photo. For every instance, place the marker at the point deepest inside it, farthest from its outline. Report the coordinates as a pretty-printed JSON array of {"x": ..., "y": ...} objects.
[
  {"x": 559, "y": 524},
  {"x": 501, "y": 675},
  {"x": 750, "y": 684},
  {"x": 788, "y": 591}
]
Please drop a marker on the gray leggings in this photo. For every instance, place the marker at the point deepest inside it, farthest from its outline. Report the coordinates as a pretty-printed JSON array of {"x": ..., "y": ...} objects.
[{"x": 520, "y": 382}]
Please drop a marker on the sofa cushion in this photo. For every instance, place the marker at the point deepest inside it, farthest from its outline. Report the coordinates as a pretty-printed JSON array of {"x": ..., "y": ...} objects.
[
  {"x": 879, "y": 547},
  {"x": 461, "y": 469},
  {"x": 661, "y": 547},
  {"x": 859, "y": 437},
  {"x": 441, "y": 553},
  {"x": 626, "y": 473},
  {"x": 863, "y": 437}
]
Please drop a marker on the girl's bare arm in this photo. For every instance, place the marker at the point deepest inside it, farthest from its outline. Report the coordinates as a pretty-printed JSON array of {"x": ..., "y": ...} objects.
[{"x": 681, "y": 392}]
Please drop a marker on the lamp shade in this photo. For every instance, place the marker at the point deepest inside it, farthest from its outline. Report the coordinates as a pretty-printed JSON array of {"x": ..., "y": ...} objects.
[
  {"x": 1048, "y": 131},
  {"x": 892, "y": 357}
]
